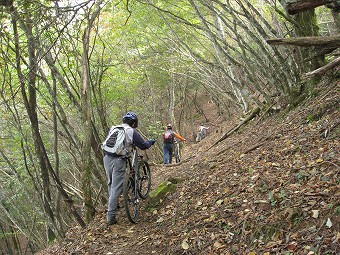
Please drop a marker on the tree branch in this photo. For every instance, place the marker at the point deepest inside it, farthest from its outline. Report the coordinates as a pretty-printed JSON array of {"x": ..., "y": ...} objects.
[
  {"x": 323, "y": 69},
  {"x": 305, "y": 5},
  {"x": 227, "y": 134},
  {"x": 308, "y": 41}
]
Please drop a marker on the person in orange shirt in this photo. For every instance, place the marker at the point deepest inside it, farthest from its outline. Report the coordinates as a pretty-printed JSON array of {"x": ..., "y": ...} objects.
[{"x": 168, "y": 145}]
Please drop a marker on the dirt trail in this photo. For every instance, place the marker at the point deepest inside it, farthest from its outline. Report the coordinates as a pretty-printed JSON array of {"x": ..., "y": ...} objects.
[{"x": 272, "y": 188}]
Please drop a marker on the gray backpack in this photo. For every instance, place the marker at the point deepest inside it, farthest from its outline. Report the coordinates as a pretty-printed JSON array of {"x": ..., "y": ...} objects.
[{"x": 115, "y": 141}]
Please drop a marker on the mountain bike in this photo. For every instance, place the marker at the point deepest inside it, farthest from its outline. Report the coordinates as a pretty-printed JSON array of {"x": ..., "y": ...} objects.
[
  {"x": 177, "y": 151},
  {"x": 137, "y": 184}
]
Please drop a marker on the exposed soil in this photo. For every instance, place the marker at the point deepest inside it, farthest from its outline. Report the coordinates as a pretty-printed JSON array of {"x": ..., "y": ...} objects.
[{"x": 273, "y": 187}]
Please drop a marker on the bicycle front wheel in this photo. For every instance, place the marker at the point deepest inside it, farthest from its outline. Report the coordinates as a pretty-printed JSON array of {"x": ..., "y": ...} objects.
[
  {"x": 131, "y": 202},
  {"x": 144, "y": 179}
]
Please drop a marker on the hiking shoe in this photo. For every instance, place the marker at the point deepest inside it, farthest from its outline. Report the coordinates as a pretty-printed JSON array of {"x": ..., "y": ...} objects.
[{"x": 112, "y": 221}]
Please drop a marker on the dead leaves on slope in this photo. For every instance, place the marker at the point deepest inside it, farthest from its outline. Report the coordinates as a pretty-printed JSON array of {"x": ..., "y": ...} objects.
[{"x": 280, "y": 197}]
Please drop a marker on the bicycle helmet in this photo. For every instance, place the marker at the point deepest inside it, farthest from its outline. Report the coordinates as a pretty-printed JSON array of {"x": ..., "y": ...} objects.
[
  {"x": 169, "y": 126},
  {"x": 131, "y": 119}
]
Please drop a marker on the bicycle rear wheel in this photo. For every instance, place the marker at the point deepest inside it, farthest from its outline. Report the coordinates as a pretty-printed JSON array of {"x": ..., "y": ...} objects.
[
  {"x": 178, "y": 158},
  {"x": 131, "y": 202},
  {"x": 144, "y": 181},
  {"x": 177, "y": 155}
]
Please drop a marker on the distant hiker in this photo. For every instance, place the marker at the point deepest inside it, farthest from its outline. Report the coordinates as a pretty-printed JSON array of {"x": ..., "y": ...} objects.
[
  {"x": 202, "y": 133},
  {"x": 115, "y": 158},
  {"x": 169, "y": 137}
]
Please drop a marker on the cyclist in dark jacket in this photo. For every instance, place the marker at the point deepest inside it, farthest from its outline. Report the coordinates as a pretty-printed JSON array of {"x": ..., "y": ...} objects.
[
  {"x": 168, "y": 144},
  {"x": 115, "y": 165}
]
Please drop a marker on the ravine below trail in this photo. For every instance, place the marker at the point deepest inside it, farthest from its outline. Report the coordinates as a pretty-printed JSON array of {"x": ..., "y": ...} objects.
[{"x": 271, "y": 188}]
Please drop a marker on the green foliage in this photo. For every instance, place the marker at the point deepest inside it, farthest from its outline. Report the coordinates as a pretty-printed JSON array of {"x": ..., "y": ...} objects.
[
  {"x": 276, "y": 198},
  {"x": 272, "y": 198},
  {"x": 138, "y": 52},
  {"x": 14, "y": 197}
]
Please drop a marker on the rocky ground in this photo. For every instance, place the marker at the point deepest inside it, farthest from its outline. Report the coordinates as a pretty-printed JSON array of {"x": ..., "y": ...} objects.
[{"x": 272, "y": 187}]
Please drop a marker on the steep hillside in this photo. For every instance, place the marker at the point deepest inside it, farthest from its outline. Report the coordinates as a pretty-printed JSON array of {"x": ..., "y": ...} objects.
[{"x": 273, "y": 187}]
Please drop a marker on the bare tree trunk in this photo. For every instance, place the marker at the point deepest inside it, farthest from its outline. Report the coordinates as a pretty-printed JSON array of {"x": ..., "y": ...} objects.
[
  {"x": 56, "y": 155},
  {"x": 30, "y": 105},
  {"x": 31, "y": 108},
  {"x": 86, "y": 115},
  {"x": 172, "y": 95},
  {"x": 336, "y": 17},
  {"x": 305, "y": 24}
]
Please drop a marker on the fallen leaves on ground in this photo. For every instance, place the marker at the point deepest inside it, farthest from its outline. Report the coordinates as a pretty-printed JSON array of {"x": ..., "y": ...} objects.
[{"x": 280, "y": 198}]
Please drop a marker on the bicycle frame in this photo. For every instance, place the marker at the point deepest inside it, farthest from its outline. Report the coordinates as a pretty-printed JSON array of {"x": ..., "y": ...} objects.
[
  {"x": 134, "y": 158},
  {"x": 136, "y": 176},
  {"x": 177, "y": 152},
  {"x": 134, "y": 168}
]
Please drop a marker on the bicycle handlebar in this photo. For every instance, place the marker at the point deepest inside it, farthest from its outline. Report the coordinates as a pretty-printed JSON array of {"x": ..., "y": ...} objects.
[{"x": 178, "y": 140}]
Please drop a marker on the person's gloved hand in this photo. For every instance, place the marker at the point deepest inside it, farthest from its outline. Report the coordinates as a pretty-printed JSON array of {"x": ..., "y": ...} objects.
[{"x": 152, "y": 141}]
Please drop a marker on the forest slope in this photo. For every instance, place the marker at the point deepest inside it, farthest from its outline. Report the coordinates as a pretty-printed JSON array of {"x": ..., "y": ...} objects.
[{"x": 270, "y": 188}]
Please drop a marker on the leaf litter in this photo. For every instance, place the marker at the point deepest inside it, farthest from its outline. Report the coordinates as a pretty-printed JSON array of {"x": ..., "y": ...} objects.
[{"x": 271, "y": 188}]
